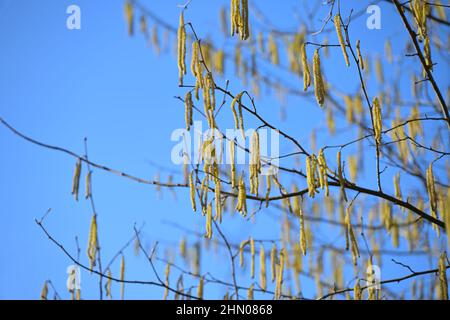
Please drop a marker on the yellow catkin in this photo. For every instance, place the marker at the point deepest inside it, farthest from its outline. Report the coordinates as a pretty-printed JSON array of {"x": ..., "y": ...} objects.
[
  {"x": 242, "y": 197},
  {"x": 337, "y": 25},
  {"x": 273, "y": 262},
  {"x": 311, "y": 174},
  {"x": 129, "y": 16},
  {"x": 447, "y": 216},
  {"x": 440, "y": 10},
  {"x": 303, "y": 243},
  {"x": 188, "y": 112},
  {"x": 319, "y": 88},
  {"x": 250, "y": 292},
  {"x": 192, "y": 191},
  {"x": 200, "y": 288},
  {"x": 431, "y": 190},
  {"x": 341, "y": 176},
  {"x": 88, "y": 185},
  {"x": 305, "y": 68},
  {"x": 255, "y": 163},
  {"x": 76, "y": 179},
  {"x": 143, "y": 25},
  {"x": 377, "y": 120},
  {"x": 262, "y": 265},
  {"x": 44, "y": 291},
  {"x": 379, "y": 70},
  {"x": 241, "y": 252},
  {"x": 360, "y": 58},
  {"x": 108, "y": 285},
  {"x": 443, "y": 285},
  {"x": 398, "y": 192},
  {"x": 233, "y": 164},
  {"x": 351, "y": 237},
  {"x": 235, "y": 16},
  {"x": 244, "y": 28},
  {"x": 353, "y": 167},
  {"x": 181, "y": 49},
  {"x": 273, "y": 50},
  {"x": 323, "y": 180},
  {"x": 93, "y": 242},
  {"x": 388, "y": 51},
  {"x": 167, "y": 274},
  {"x": 279, "y": 282},
  {"x": 122, "y": 277},
  {"x": 209, "y": 221},
  {"x": 252, "y": 255},
  {"x": 357, "y": 293},
  {"x": 237, "y": 116}
]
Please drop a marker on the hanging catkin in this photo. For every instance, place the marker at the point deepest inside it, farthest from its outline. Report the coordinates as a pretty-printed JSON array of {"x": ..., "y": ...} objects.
[
  {"x": 341, "y": 176},
  {"x": 431, "y": 189},
  {"x": 76, "y": 179},
  {"x": 337, "y": 25},
  {"x": 188, "y": 110},
  {"x": 279, "y": 282},
  {"x": 244, "y": 29},
  {"x": 129, "y": 16},
  {"x": 311, "y": 173},
  {"x": 241, "y": 252},
  {"x": 377, "y": 120},
  {"x": 242, "y": 197},
  {"x": 252, "y": 255},
  {"x": 323, "y": 180},
  {"x": 305, "y": 68},
  {"x": 357, "y": 293},
  {"x": 427, "y": 53},
  {"x": 122, "y": 277},
  {"x": 250, "y": 292},
  {"x": 44, "y": 291},
  {"x": 209, "y": 221},
  {"x": 88, "y": 185},
  {"x": 255, "y": 163},
  {"x": 303, "y": 240},
  {"x": 273, "y": 262},
  {"x": 273, "y": 50},
  {"x": 319, "y": 89},
  {"x": 108, "y": 285},
  {"x": 360, "y": 58},
  {"x": 192, "y": 191},
  {"x": 166, "y": 284},
  {"x": 181, "y": 49},
  {"x": 443, "y": 285},
  {"x": 232, "y": 164},
  {"x": 93, "y": 242},
  {"x": 398, "y": 192},
  {"x": 238, "y": 118},
  {"x": 262, "y": 265}
]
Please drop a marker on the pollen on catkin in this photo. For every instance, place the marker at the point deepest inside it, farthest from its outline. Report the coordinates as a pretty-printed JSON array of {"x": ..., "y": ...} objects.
[
  {"x": 93, "y": 242},
  {"x": 76, "y": 179},
  {"x": 323, "y": 180},
  {"x": 305, "y": 68},
  {"x": 181, "y": 49},
  {"x": 337, "y": 26},
  {"x": 319, "y": 88}
]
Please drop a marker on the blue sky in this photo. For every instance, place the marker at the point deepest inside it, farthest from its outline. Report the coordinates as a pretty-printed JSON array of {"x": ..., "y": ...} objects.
[{"x": 59, "y": 86}]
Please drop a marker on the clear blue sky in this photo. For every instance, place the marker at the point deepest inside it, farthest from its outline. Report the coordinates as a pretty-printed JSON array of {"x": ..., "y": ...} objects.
[{"x": 59, "y": 86}]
